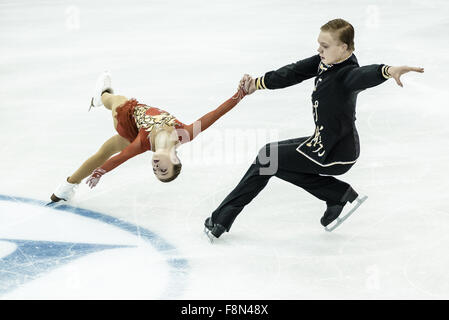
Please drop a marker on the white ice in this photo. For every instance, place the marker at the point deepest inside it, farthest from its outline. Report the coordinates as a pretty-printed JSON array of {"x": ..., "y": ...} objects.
[{"x": 187, "y": 57}]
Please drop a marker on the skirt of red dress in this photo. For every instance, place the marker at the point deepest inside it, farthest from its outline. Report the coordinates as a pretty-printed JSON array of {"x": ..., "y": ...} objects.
[{"x": 126, "y": 126}]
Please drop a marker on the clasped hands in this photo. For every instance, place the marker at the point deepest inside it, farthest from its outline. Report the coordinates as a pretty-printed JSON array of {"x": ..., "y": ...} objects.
[{"x": 248, "y": 84}]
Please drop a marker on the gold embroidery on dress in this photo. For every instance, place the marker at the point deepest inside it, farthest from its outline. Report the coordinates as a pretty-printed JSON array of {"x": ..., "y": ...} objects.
[{"x": 149, "y": 122}]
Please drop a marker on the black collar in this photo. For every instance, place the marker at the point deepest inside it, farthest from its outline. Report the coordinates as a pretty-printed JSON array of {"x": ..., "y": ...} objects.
[{"x": 351, "y": 60}]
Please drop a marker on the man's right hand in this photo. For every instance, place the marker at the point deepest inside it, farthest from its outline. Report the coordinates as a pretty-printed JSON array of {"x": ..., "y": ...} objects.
[{"x": 248, "y": 84}]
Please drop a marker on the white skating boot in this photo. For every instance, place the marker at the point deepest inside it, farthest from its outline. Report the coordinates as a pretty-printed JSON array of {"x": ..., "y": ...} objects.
[
  {"x": 65, "y": 191},
  {"x": 103, "y": 84}
]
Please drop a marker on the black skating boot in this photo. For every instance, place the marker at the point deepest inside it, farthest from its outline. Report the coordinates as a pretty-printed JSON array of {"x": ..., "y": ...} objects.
[
  {"x": 334, "y": 210},
  {"x": 213, "y": 228}
]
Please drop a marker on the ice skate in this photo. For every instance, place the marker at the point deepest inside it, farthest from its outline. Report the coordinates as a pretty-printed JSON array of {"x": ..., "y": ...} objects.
[
  {"x": 65, "y": 191},
  {"x": 336, "y": 214},
  {"x": 103, "y": 84},
  {"x": 213, "y": 230}
]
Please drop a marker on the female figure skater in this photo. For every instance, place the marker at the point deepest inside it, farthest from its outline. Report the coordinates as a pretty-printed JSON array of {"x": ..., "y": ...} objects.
[
  {"x": 140, "y": 128},
  {"x": 311, "y": 162}
]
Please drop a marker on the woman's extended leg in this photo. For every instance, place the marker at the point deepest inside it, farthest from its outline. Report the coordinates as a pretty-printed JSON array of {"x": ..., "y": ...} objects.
[
  {"x": 111, "y": 102},
  {"x": 109, "y": 148}
]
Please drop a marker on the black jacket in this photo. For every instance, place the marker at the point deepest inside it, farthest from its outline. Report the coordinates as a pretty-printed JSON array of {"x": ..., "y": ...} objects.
[{"x": 335, "y": 140}]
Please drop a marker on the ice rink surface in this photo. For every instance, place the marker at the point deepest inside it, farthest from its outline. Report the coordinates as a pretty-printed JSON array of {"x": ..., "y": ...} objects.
[{"x": 187, "y": 58}]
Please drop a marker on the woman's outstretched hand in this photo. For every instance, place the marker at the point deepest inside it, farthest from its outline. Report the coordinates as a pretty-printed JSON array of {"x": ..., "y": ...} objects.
[
  {"x": 95, "y": 177},
  {"x": 397, "y": 72},
  {"x": 248, "y": 84}
]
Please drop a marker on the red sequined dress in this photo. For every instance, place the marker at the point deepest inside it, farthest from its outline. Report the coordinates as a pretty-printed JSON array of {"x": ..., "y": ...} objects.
[{"x": 136, "y": 121}]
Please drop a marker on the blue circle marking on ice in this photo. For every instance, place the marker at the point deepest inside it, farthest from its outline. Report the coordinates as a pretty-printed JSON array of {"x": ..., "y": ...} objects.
[{"x": 27, "y": 260}]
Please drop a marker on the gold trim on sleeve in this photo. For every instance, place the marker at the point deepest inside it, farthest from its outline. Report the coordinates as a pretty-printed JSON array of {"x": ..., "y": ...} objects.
[
  {"x": 260, "y": 83},
  {"x": 263, "y": 82},
  {"x": 385, "y": 73}
]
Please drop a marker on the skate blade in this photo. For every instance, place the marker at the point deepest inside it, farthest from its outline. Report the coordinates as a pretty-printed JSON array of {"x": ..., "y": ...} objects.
[
  {"x": 209, "y": 235},
  {"x": 91, "y": 104},
  {"x": 339, "y": 220},
  {"x": 55, "y": 204}
]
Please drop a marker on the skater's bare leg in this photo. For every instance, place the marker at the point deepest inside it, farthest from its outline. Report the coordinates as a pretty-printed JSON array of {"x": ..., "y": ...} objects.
[
  {"x": 111, "y": 102},
  {"x": 109, "y": 148}
]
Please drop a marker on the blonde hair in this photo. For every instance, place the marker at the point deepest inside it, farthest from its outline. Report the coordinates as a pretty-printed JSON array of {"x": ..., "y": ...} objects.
[{"x": 343, "y": 29}]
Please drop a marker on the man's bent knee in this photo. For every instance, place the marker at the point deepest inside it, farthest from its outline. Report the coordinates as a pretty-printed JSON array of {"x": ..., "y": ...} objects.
[{"x": 268, "y": 159}]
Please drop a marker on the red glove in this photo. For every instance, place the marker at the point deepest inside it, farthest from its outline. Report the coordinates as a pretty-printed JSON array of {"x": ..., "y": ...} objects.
[{"x": 95, "y": 177}]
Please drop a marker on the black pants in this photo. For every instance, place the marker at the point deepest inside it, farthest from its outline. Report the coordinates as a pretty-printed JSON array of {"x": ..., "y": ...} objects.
[{"x": 292, "y": 167}]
